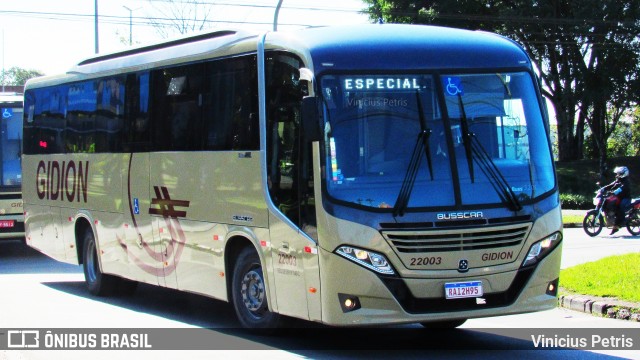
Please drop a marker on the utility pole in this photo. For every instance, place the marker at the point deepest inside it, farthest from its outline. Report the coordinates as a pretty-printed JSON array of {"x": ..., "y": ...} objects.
[
  {"x": 275, "y": 16},
  {"x": 130, "y": 23},
  {"x": 96, "y": 26},
  {"x": 3, "y": 60}
]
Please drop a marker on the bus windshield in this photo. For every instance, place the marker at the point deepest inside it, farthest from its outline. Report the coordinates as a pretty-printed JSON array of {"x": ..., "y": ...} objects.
[
  {"x": 11, "y": 146},
  {"x": 466, "y": 139}
]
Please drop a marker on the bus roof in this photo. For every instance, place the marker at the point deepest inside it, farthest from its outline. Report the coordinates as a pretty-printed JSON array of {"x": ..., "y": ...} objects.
[
  {"x": 172, "y": 52},
  {"x": 400, "y": 47},
  {"x": 390, "y": 47}
]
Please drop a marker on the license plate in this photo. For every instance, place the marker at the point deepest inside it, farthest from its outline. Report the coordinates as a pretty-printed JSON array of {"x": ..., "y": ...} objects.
[
  {"x": 463, "y": 289},
  {"x": 6, "y": 223}
]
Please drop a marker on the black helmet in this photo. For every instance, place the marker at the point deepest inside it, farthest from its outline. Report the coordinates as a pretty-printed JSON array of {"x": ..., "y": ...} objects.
[{"x": 621, "y": 172}]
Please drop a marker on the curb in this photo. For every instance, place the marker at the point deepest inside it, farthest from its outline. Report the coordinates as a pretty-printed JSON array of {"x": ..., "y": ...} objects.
[{"x": 600, "y": 307}]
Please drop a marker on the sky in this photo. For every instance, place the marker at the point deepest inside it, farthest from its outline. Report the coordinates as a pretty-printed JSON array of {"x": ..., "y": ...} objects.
[{"x": 52, "y": 35}]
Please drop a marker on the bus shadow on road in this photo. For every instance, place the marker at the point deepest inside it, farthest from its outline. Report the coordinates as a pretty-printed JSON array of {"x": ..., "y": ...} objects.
[
  {"x": 191, "y": 309},
  {"x": 304, "y": 338},
  {"x": 318, "y": 341},
  {"x": 18, "y": 258}
]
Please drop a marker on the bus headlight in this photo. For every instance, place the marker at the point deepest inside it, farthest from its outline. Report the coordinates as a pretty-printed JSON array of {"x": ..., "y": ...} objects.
[
  {"x": 540, "y": 249},
  {"x": 369, "y": 259}
]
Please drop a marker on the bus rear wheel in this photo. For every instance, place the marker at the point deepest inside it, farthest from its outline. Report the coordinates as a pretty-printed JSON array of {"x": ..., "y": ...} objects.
[
  {"x": 446, "y": 324},
  {"x": 249, "y": 293},
  {"x": 98, "y": 283}
]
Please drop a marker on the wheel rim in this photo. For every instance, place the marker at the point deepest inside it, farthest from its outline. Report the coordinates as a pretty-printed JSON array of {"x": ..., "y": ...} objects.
[
  {"x": 253, "y": 294},
  {"x": 91, "y": 262},
  {"x": 592, "y": 224}
]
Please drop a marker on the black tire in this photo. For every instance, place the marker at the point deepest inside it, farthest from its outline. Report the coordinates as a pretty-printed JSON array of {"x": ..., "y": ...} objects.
[
  {"x": 592, "y": 223},
  {"x": 98, "y": 284},
  {"x": 633, "y": 223},
  {"x": 249, "y": 294},
  {"x": 446, "y": 324}
]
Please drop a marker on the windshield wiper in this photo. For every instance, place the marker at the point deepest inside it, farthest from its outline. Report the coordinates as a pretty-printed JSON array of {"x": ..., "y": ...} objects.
[
  {"x": 475, "y": 151},
  {"x": 421, "y": 147},
  {"x": 491, "y": 170},
  {"x": 466, "y": 137}
]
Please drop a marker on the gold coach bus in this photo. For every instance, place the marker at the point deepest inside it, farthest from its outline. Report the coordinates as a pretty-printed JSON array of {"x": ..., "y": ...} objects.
[
  {"x": 373, "y": 174},
  {"x": 11, "y": 212}
]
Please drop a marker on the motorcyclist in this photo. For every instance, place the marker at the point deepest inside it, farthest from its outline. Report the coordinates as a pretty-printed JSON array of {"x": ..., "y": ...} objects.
[{"x": 621, "y": 187}]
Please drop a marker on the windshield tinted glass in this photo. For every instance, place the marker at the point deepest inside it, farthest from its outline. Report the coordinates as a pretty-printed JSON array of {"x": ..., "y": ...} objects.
[
  {"x": 11, "y": 146},
  {"x": 503, "y": 117},
  {"x": 371, "y": 129},
  {"x": 372, "y": 124}
]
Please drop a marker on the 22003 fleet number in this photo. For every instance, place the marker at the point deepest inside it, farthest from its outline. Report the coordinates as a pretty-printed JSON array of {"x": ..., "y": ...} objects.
[{"x": 428, "y": 260}]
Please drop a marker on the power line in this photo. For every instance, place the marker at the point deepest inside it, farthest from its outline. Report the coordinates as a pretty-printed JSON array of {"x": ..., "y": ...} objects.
[
  {"x": 124, "y": 20},
  {"x": 285, "y": 6}
]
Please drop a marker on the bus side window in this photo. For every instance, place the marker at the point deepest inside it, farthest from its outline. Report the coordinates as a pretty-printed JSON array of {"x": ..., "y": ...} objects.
[
  {"x": 177, "y": 117},
  {"x": 109, "y": 117},
  {"x": 231, "y": 105},
  {"x": 136, "y": 126}
]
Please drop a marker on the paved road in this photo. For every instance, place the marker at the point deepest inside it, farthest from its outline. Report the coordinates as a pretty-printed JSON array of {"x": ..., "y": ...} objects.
[
  {"x": 579, "y": 248},
  {"x": 37, "y": 292}
]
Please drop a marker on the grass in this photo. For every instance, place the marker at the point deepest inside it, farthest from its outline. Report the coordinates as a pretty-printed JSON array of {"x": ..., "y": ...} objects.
[
  {"x": 613, "y": 276},
  {"x": 572, "y": 219}
]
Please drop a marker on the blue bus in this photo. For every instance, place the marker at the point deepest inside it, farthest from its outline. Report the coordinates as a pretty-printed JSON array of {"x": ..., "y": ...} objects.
[{"x": 11, "y": 212}]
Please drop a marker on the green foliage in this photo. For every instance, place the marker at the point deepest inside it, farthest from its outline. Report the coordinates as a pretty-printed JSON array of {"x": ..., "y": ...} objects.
[
  {"x": 614, "y": 276},
  {"x": 19, "y": 76},
  {"x": 577, "y": 180},
  {"x": 590, "y": 68},
  {"x": 575, "y": 201},
  {"x": 620, "y": 143},
  {"x": 578, "y": 177}
]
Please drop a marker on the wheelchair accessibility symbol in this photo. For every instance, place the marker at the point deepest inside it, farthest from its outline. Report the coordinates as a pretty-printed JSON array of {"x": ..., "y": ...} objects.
[
  {"x": 7, "y": 113},
  {"x": 453, "y": 86}
]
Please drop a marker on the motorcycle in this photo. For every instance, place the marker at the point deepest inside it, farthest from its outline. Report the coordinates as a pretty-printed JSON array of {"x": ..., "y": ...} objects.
[{"x": 604, "y": 215}]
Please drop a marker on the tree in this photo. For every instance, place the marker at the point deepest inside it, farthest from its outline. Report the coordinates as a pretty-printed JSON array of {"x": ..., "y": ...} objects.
[
  {"x": 18, "y": 76},
  {"x": 635, "y": 131},
  {"x": 585, "y": 50},
  {"x": 180, "y": 16}
]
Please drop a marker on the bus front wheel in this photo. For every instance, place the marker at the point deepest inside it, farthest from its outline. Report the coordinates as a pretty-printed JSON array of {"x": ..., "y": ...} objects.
[{"x": 249, "y": 293}]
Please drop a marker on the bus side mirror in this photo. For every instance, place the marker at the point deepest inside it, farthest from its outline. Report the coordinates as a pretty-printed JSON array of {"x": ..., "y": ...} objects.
[{"x": 310, "y": 119}]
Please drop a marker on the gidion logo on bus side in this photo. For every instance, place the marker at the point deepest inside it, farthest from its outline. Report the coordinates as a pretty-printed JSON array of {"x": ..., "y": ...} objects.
[{"x": 64, "y": 181}]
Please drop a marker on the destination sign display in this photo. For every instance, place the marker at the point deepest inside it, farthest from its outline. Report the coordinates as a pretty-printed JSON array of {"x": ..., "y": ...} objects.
[{"x": 381, "y": 83}]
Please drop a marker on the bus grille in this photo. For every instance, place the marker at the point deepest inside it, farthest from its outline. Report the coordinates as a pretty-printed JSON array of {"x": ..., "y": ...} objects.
[{"x": 428, "y": 241}]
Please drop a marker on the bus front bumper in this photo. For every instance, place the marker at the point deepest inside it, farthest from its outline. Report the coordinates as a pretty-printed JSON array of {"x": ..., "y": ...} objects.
[{"x": 353, "y": 295}]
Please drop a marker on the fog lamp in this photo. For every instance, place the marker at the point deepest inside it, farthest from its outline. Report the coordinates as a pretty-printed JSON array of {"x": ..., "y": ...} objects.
[{"x": 349, "y": 302}]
